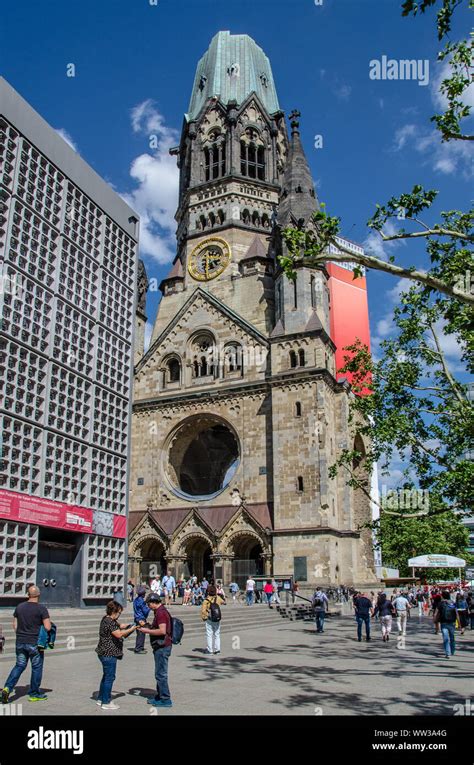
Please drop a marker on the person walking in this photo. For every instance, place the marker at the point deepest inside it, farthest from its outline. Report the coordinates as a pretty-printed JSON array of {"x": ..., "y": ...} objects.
[
  {"x": 211, "y": 616},
  {"x": 234, "y": 591},
  {"x": 401, "y": 605},
  {"x": 250, "y": 590},
  {"x": 268, "y": 590},
  {"x": 294, "y": 590},
  {"x": 363, "y": 611},
  {"x": 462, "y": 611},
  {"x": 470, "y": 605},
  {"x": 28, "y": 619},
  {"x": 140, "y": 615},
  {"x": 320, "y": 604},
  {"x": 161, "y": 642},
  {"x": 276, "y": 596},
  {"x": 109, "y": 650},
  {"x": 420, "y": 599},
  {"x": 445, "y": 616},
  {"x": 385, "y": 610}
]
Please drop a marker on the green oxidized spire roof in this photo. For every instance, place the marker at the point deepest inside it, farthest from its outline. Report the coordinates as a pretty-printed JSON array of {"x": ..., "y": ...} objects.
[{"x": 233, "y": 67}]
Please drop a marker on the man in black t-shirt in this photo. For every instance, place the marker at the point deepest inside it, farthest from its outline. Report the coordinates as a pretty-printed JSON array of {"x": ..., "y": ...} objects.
[
  {"x": 28, "y": 618},
  {"x": 363, "y": 612}
]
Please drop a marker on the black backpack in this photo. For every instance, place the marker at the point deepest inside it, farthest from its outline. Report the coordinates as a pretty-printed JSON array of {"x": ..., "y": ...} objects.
[
  {"x": 215, "y": 611},
  {"x": 447, "y": 612},
  {"x": 177, "y": 630},
  {"x": 318, "y": 602},
  {"x": 176, "y": 634}
]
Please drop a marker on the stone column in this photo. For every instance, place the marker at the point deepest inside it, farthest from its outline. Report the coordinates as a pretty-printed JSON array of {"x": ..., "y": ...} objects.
[
  {"x": 134, "y": 568},
  {"x": 267, "y": 563},
  {"x": 174, "y": 563},
  {"x": 222, "y": 565}
]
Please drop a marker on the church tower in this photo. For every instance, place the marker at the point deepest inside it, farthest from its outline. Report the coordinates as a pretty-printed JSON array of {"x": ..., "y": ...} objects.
[{"x": 237, "y": 412}]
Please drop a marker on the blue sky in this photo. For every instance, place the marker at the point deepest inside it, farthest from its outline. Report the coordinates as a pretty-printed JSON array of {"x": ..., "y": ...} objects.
[{"x": 135, "y": 64}]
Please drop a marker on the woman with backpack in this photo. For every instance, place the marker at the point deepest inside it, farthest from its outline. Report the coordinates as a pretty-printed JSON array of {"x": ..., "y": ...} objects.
[
  {"x": 211, "y": 616},
  {"x": 385, "y": 610}
]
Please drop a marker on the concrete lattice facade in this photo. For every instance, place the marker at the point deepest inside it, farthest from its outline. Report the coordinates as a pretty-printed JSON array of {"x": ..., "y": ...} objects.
[
  {"x": 237, "y": 414},
  {"x": 68, "y": 268}
]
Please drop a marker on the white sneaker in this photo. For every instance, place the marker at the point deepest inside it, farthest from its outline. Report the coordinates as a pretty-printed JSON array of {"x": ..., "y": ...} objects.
[
  {"x": 99, "y": 703},
  {"x": 110, "y": 706}
]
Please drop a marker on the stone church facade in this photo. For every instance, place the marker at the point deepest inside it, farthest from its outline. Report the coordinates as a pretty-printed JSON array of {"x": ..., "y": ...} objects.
[{"x": 237, "y": 414}]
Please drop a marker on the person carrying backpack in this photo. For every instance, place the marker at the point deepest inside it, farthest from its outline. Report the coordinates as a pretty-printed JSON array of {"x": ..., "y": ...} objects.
[
  {"x": 446, "y": 615},
  {"x": 211, "y": 616},
  {"x": 320, "y": 604},
  {"x": 161, "y": 639}
]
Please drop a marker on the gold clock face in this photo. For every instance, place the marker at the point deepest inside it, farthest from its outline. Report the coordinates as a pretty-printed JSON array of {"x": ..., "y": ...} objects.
[{"x": 209, "y": 259}]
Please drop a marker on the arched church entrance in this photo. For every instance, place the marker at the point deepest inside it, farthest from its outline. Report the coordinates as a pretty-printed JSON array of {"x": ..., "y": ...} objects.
[
  {"x": 247, "y": 559},
  {"x": 199, "y": 563},
  {"x": 153, "y": 563}
]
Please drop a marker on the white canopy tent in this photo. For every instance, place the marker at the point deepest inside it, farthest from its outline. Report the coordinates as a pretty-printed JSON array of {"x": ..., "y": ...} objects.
[{"x": 437, "y": 561}]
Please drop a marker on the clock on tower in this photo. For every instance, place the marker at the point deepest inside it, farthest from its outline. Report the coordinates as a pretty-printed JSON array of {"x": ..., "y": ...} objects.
[{"x": 209, "y": 259}]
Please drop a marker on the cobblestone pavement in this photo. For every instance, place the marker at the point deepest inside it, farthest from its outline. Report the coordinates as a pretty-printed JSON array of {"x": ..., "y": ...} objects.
[{"x": 279, "y": 669}]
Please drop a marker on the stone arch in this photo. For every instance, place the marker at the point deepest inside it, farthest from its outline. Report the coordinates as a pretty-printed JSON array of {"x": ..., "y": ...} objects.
[
  {"x": 171, "y": 369},
  {"x": 248, "y": 553},
  {"x": 149, "y": 551},
  {"x": 229, "y": 543},
  {"x": 196, "y": 549},
  {"x": 201, "y": 455},
  {"x": 202, "y": 353}
]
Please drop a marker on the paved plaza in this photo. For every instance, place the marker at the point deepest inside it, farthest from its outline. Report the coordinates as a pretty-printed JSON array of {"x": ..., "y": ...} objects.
[{"x": 270, "y": 666}]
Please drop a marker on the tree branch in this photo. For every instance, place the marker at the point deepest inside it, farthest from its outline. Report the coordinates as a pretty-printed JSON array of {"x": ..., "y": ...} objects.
[
  {"x": 428, "y": 232},
  {"x": 370, "y": 261},
  {"x": 462, "y": 400}
]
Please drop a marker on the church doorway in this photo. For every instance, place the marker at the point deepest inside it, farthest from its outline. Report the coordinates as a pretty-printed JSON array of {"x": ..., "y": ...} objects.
[
  {"x": 153, "y": 563},
  {"x": 198, "y": 559},
  {"x": 248, "y": 559}
]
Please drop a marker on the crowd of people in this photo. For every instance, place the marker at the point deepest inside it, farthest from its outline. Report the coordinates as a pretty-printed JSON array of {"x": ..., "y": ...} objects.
[
  {"x": 192, "y": 592},
  {"x": 450, "y": 610},
  {"x": 35, "y": 632}
]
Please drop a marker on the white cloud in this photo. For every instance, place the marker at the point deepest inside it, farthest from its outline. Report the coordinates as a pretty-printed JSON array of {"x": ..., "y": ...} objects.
[
  {"x": 446, "y": 157},
  {"x": 148, "y": 333},
  {"x": 156, "y": 175},
  {"x": 343, "y": 92},
  {"x": 66, "y": 137},
  {"x": 442, "y": 72},
  {"x": 376, "y": 246},
  {"x": 402, "y": 135}
]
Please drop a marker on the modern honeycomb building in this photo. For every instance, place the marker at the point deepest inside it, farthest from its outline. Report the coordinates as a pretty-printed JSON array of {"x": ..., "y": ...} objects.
[{"x": 68, "y": 267}]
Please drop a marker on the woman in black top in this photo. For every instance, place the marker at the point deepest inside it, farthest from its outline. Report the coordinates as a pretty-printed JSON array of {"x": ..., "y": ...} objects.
[
  {"x": 384, "y": 610},
  {"x": 109, "y": 649}
]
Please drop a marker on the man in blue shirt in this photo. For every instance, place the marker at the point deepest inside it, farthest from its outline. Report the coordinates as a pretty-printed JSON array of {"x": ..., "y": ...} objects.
[
  {"x": 169, "y": 585},
  {"x": 140, "y": 613}
]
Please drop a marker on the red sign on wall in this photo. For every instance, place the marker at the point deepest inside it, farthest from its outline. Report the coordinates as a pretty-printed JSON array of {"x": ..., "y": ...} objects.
[{"x": 23, "y": 508}]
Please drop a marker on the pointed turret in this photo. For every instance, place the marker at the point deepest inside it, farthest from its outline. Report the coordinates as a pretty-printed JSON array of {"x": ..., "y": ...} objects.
[{"x": 298, "y": 199}]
